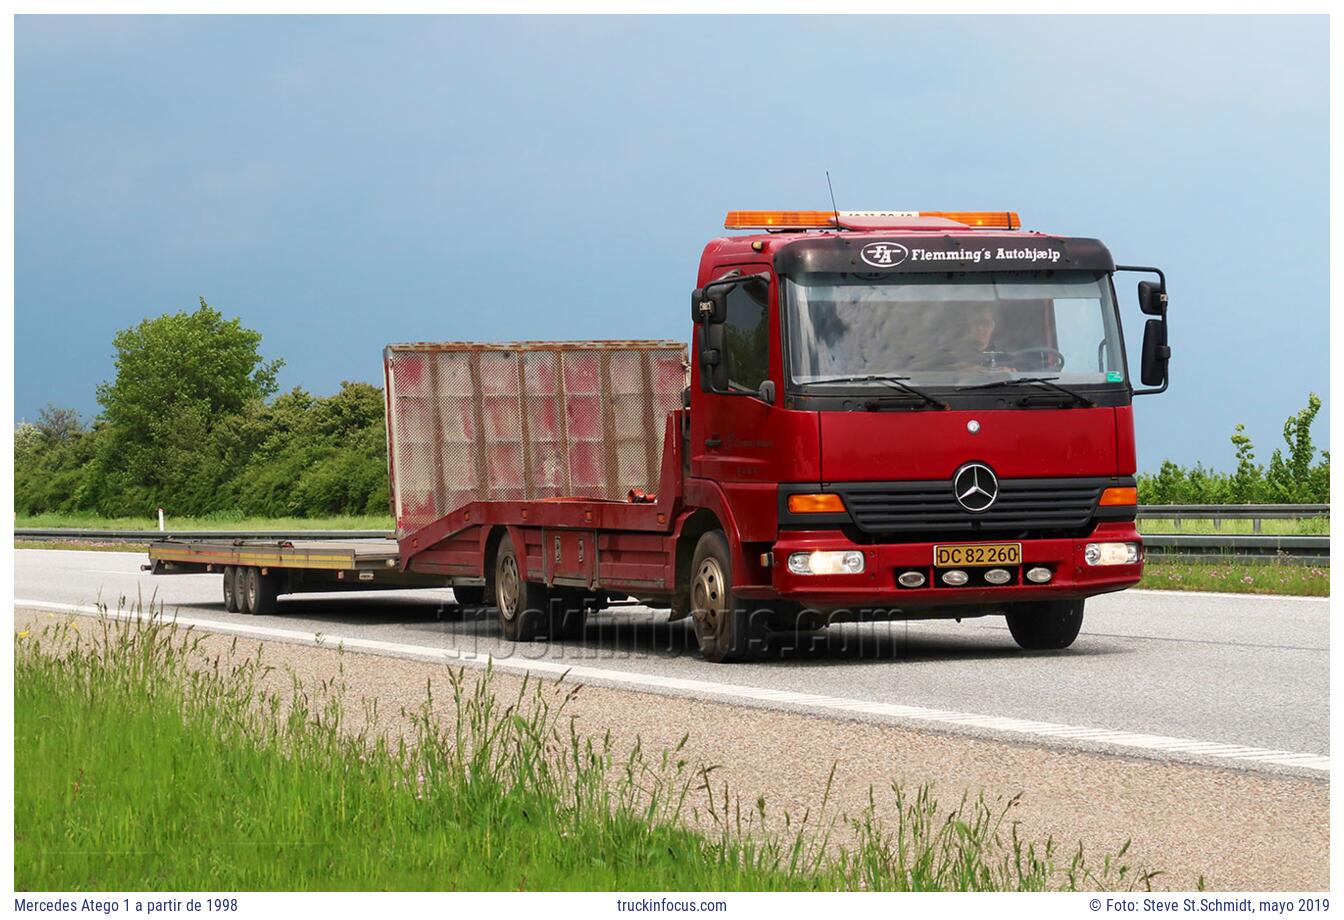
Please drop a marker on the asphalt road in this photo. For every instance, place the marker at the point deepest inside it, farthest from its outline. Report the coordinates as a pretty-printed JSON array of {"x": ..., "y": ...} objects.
[{"x": 1206, "y": 675}]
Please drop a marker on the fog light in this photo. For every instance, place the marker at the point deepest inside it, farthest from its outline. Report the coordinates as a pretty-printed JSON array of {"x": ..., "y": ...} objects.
[
  {"x": 847, "y": 562},
  {"x": 1038, "y": 575},
  {"x": 998, "y": 576},
  {"x": 1111, "y": 553},
  {"x": 955, "y": 577},
  {"x": 911, "y": 579}
]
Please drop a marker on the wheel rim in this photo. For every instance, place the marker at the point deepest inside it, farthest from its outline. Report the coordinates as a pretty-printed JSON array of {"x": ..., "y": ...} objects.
[
  {"x": 507, "y": 579},
  {"x": 707, "y": 595},
  {"x": 252, "y": 590}
]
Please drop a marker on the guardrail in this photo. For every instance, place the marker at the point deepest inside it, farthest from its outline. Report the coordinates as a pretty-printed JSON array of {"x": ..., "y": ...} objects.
[{"x": 1311, "y": 549}]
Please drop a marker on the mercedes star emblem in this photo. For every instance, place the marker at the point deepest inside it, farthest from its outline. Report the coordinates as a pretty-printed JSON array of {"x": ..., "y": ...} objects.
[{"x": 975, "y": 487}]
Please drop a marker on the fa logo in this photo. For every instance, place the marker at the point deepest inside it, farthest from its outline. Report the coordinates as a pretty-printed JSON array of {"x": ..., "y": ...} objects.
[{"x": 883, "y": 255}]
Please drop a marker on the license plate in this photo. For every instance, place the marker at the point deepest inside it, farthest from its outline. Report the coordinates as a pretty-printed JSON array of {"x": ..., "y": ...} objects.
[{"x": 963, "y": 555}]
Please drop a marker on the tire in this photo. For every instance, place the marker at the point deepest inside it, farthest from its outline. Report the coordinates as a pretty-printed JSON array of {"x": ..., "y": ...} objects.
[
  {"x": 522, "y": 605},
  {"x": 239, "y": 588},
  {"x": 1046, "y": 624},
  {"x": 261, "y": 592},
  {"x": 724, "y": 630},
  {"x": 569, "y": 612},
  {"x": 469, "y": 595},
  {"x": 230, "y": 589}
]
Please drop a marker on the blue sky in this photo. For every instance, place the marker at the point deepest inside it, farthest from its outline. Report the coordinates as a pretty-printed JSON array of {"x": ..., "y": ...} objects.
[{"x": 344, "y": 182}]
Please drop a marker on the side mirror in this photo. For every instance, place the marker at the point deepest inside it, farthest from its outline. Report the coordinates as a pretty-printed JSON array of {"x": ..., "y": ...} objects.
[
  {"x": 713, "y": 367},
  {"x": 709, "y": 305},
  {"x": 1152, "y": 298},
  {"x": 1156, "y": 353}
]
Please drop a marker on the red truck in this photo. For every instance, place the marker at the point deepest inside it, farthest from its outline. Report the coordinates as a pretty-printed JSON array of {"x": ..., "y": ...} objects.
[{"x": 886, "y": 415}]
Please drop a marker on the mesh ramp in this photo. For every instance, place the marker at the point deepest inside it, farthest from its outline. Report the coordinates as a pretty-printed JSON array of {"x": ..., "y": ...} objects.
[{"x": 522, "y": 421}]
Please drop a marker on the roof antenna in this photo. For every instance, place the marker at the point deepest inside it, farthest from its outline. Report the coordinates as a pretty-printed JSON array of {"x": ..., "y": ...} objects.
[{"x": 833, "y": 207}]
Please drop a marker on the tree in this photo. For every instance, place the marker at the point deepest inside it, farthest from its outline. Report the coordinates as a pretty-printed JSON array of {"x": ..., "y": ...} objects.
[
  {"x": 1248, "y": 479},
  {"x": 180, "y": 376},
  {"x": 183, "y": 361},
  {"x": 28, "y": 444},
  {"x": 1290, "y": 478},
  {"x": 58, "y": 425}
]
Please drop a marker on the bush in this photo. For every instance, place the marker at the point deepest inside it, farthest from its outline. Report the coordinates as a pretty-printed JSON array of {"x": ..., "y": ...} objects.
[{"x": 1292, "y": 479}]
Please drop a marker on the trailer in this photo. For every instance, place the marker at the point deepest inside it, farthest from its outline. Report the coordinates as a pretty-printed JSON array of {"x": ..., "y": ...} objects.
[{"x": 889, "y": 415}]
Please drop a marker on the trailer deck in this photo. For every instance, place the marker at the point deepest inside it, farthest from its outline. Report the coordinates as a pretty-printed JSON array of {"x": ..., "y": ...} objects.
[{"x": 174, "y": 556}]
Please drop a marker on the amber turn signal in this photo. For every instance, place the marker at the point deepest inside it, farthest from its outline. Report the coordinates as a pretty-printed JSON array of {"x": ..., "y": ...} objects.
[
  {"x": 1120, "y": 495},
  {"x": 821, "y": 503}
]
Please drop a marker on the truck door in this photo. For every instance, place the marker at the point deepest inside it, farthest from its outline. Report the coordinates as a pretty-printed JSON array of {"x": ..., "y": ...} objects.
[{"x": 732, "y": 439}]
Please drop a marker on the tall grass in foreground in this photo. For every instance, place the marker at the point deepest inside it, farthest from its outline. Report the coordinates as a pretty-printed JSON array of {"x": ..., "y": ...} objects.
[{"x": 141, "y": 762}]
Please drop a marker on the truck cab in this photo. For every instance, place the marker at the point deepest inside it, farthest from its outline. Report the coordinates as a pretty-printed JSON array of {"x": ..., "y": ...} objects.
[{"x": 914, "y": 414}]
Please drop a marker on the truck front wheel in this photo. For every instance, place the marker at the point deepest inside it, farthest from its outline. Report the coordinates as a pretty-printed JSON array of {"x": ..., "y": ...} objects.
[
  {"x": 725, "y": 630},
  {"x": 1046, "y": 624},
  {"x": 522, "y": 605}
]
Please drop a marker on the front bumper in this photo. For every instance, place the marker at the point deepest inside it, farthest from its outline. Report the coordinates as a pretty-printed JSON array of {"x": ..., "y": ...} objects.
[{"x": 876, "y": 586}]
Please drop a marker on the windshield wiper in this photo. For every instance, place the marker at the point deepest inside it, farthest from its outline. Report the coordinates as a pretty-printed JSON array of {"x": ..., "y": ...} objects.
[
  {"x": 890, "y": 380},
  {"x": 1047, "y": 382}
]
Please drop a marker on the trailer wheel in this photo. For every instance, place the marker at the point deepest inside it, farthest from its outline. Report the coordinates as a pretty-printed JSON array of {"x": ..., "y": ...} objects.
[
  {"x": 230, "y": 589},
  {"x": 522, "y": 605},
  {"x": 259, "y": 597},
  {"x": 239, "y": 573},
  {"x": 724, "y": 630},
  {"x": 1046, "y": 624}
]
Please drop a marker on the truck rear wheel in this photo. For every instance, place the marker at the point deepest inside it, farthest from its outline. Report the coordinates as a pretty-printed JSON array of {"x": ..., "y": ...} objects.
[
  {"x": 522, "y": 605},
  {"x": 230, "y": 589},
  {"x": 725, "y": 630},
  {"x": 260, "y": 592},
  {"x": 1045, "y": 624}
]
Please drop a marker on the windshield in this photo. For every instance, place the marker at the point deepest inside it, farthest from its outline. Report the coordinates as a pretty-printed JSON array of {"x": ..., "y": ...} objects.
[{"x": 954, "y": 328}]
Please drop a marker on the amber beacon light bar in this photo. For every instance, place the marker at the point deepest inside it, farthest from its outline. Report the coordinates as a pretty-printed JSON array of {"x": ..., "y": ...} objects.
[{"x": 806, "y": 220}]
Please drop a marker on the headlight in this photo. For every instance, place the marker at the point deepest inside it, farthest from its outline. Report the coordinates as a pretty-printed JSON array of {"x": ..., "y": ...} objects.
[
  {"x": 848, "y": 562},
  {"x": 1111, "y": 553}
]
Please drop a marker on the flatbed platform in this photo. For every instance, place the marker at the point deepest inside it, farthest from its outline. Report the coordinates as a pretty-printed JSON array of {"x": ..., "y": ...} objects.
[{"x": 327, "y": 555}]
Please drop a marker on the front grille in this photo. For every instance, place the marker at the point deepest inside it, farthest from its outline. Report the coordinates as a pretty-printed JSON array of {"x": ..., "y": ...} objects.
[{"x": 929, "y": 506}]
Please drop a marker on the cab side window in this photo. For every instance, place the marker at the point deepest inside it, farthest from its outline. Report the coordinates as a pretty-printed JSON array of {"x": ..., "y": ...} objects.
[{"x": 747, "y": 334}]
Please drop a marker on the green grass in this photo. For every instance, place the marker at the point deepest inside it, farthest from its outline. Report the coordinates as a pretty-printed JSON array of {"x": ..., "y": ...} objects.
[
  {"x": 141, "y": 763},
  {"x": 84, "y": 545},
  {"x": 1296, "y": 526},
  {"x": 1238, "y": 577},
  {"x": 221, "y": 521}
]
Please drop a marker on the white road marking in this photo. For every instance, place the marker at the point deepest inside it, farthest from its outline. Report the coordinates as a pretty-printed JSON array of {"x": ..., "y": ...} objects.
[
  {"x": 1226, "y": 595},
  {"x": 137, "y": 573},
  {"x": 1131, "y": 741}
]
